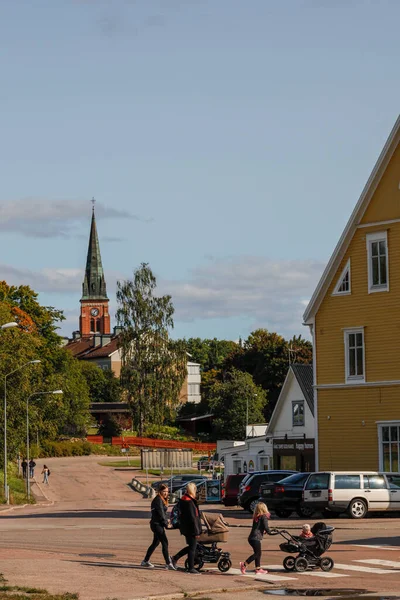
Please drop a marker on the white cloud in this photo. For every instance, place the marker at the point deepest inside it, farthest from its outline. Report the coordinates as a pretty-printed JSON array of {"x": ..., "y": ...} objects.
[
  {"x": 44, "y": 218},
  {"x": 271, "y": 293},
  {"x": 267, "y": 293}
]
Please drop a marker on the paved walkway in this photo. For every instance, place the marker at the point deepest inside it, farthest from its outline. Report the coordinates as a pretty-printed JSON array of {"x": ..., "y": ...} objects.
[{"x": 92, "y": 532}]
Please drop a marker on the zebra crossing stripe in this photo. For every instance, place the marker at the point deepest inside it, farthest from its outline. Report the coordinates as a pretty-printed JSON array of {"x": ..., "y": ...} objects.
[
  {"x": 378, "y": 561},
  {"x": 362, "y": 569},
  {"x": 266, "y": 577},
  {"x": 327, "y": 575},
  {"x": 377, "y": 547}
]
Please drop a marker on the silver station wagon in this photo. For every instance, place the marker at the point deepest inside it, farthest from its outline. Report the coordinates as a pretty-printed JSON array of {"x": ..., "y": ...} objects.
[{"x": 354, "y": 492}]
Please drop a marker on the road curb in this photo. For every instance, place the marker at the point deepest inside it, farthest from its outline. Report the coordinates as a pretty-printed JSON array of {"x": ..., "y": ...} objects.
[{"x": 179, "y": 595}]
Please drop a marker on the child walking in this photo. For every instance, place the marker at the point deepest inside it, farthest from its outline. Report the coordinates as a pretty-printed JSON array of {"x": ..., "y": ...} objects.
[{"x": 260, "y": 526}]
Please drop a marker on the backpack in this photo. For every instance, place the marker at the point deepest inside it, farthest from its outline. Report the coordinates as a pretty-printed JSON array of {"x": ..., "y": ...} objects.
[{"x": 176, "y": 516}]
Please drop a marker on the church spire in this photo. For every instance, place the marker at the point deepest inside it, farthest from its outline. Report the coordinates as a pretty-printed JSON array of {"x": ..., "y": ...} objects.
[{"x": 94, "y": 284}]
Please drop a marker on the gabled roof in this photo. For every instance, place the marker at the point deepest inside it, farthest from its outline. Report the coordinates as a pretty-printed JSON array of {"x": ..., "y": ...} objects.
[
  {"x": 83, "y": 348},
  {"x": 355, "y": 218},
  {"x": 304, "y": 376}
]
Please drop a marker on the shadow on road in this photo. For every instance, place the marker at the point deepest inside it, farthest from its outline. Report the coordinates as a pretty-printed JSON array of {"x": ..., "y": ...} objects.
[
  {"x": 84, "y": 514},
  {"x": 374, "y": 541}
]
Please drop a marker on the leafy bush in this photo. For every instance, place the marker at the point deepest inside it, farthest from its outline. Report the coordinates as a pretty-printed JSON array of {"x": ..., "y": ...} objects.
[
  {"x": 165, "y": 432},
  {"x": 110, "y": 428},
  {"x": 73, "y": 448}
]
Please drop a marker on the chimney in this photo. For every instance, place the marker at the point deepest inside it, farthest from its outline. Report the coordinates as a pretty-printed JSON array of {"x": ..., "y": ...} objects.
[
  {"x": 118, "y": 329},
  {"x": 76, "y": 335},
  {"x": 96, "y": 340},
  {"x": 105, "y": 339}
]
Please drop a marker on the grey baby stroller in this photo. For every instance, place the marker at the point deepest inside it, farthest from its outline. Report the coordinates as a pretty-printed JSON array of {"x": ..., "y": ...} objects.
[
  {"x": 309, "y": 551},
  {"x": 215, "y": 530}
]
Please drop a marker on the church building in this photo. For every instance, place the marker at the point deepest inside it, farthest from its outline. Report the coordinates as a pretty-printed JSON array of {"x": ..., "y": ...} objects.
[{"x": 94, "y": 341}]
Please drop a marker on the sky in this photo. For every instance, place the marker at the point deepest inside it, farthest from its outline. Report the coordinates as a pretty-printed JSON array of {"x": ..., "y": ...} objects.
[{"x": 226, "y": 143}]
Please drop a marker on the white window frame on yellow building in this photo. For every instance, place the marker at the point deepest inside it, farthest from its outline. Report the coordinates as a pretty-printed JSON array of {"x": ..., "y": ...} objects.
[
  {"x": 377, "y": 236},
  {"x": 354, "y": 379},
  {"x": 336, "y": 291},
  {"x": 381, "y": 424}
]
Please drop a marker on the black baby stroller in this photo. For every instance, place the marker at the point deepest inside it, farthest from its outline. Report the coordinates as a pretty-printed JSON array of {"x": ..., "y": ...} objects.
[
  {"x": 309, "y": 550},
  {"x": 215, "y": 530}
]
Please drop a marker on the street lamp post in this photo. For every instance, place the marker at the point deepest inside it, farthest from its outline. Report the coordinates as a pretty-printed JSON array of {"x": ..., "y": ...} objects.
[
  {"x": 28, "y": 483},
  {"x": 31, "y": 362}
]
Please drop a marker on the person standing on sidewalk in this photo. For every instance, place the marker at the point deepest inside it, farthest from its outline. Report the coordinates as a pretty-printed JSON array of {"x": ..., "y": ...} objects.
[
  {"x": 189, "y": 526},
  {"x": 24, "y": 466},
  {"x": 32, "y": 466},
  {"x": 259, "y": 527},
  {"x": 158, "y": 524}
]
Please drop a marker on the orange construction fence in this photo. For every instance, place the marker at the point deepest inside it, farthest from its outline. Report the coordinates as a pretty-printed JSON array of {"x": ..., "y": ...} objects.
[{"x": 150, "y": 443}]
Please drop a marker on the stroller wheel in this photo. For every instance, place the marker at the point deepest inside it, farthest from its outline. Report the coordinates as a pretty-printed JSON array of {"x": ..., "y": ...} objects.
[
  {"x": 326, "y": 564},
  {"x": 288, "y": 563},
  {"x": 300, "y": 564},
  {"x": 224, "y": 565},
  {"x": 198, "y": 564}
]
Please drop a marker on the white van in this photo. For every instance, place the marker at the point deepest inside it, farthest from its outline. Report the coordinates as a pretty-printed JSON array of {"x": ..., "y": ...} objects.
[{"x": 353, "y": 492}]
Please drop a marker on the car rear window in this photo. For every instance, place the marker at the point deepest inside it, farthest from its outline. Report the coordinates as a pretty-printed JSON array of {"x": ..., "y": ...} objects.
[
  {"x": 347, "y": 482},
  {"x": 318, "y": 481},
  {"x": 297, "y": 478}
]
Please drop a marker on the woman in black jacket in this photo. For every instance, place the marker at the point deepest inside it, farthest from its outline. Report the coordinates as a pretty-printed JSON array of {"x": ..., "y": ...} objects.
[
  {"x": 158, "y": 524},
  {"x": 259, "y": 527},
  {"x": 189, "y": 526}
]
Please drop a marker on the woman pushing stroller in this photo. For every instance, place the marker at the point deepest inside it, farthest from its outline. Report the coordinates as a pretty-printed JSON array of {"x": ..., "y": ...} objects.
[{"x": 259, "y": 528}]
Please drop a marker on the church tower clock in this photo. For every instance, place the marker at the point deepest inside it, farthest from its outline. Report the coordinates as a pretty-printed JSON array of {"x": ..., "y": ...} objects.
[{"x": 95, "y": 317}]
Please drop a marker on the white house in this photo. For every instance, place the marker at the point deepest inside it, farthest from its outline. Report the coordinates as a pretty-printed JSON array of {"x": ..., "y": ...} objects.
[
  {"x": 292, "y": 425},
  {"x": 287, "y": 442}
]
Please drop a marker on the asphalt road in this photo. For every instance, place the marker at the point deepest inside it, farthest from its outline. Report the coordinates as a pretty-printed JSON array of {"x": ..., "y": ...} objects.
[{"x": 91, "y": 531}]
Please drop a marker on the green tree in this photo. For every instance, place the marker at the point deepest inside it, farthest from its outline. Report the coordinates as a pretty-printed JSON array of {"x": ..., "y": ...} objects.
[
  {"x": 209, "y": 353},
  {"x": 231, "y": 400},
  {"x": 153, "y": 366},
  {"x": 110, "y": 427},
  {"x": 23, "y": 302},
  {"x": 266, "y": 356},
  {"x": 103, "y": 385}
]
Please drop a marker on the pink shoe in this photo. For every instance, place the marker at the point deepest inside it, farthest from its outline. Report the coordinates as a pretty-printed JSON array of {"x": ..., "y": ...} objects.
[
  {"x": 243, "y": 568},
  {"x": 261, "y": 571}
]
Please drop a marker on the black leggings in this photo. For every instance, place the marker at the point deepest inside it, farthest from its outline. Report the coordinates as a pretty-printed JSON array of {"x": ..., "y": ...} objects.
[
  {"x": 190, "y": 550},
  {"x": 256, "y": 545},
  {"x": 159, "y": 538}
]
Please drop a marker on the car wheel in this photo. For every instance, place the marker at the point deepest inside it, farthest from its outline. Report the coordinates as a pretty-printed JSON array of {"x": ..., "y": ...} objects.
[
  {"x": 288, "y": 563},
  {"x": 357, "y": 509},
  {"x": 283, "y": 513},
  {"x": 326, "y": 564},
  {"x": 252, "y": 505},
  {"x": 305, "y": 511},
  {"x": 301, "y": 564}
]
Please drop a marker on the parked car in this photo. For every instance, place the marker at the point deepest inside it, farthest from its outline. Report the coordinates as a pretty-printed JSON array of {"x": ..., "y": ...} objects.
[
  {"x": 286, "y": 496},
  {"x": 251, "y": 491},
  {"x": 246, "y": 478},
  {"x": 231, "y": 489},
  {"x": 353, "y": 492},
  {"x": 177, "y": 481}
]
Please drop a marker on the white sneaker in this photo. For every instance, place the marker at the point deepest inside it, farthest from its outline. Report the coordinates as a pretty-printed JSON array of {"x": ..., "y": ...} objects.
[
  {"x": 171, "y": 567},
  {"x": 147, "y": 563}
]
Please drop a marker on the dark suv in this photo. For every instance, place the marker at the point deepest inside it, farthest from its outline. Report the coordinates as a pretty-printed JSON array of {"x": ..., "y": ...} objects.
[
  {"x": 251, "y": 492},
  {"x": 285, "y": 496}
]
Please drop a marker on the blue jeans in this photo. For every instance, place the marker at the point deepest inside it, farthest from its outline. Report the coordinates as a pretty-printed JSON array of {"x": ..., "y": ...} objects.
[{"x": 46, "y": 478}]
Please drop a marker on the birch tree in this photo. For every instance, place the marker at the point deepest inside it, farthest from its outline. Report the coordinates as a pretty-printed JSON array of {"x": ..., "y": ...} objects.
[{"x": 153, "y": 366}]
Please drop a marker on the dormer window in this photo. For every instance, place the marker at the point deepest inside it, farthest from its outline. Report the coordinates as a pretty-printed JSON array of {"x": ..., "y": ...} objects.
[
  {"x": 343, "y": 286},
  {"x": 378, "y": 262}
]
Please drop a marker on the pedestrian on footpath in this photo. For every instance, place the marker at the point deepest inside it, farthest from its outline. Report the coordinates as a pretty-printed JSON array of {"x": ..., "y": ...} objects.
[
  {"x": 189, "y": 526},
  {"x": 259, "y": 528},
  {"x": 159, "y": 522},
  {"x": 32, "y": 466},
  {"x": 24, "y": 466},
  {"x": 46, "y": 473}
]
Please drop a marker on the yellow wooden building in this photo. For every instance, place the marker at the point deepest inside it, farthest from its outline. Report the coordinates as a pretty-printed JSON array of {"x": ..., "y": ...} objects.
[{"x": 354, "y": 317}]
